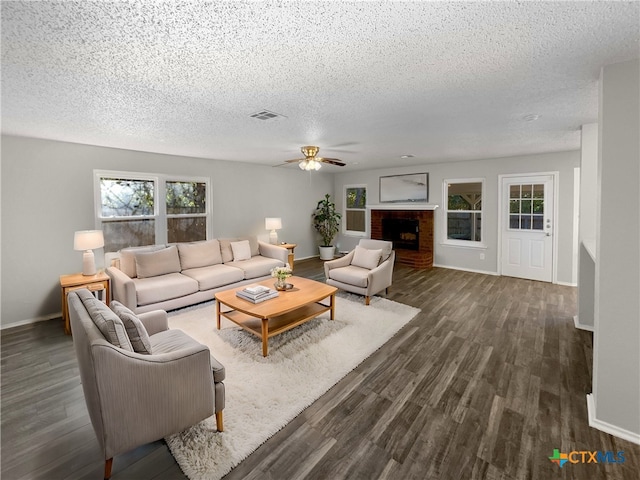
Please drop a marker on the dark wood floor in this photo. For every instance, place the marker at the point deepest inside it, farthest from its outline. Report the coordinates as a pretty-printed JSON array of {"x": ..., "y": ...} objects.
[{"x": 485, "y": 382}]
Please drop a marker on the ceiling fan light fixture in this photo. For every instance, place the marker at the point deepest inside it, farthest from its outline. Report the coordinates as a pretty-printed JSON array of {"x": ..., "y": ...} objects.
[{"x": 309, "y": 164}]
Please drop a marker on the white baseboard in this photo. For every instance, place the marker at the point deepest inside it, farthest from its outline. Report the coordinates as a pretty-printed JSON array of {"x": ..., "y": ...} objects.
[
  {"x": 581, "y": 326},
  {"x": 29, "y": 321},
  {"x": 484, "y": 272},
  {"x": 567, "y": 284},
  {"x": 305, "y": 258},
  {"x": 607, "y": 427}
]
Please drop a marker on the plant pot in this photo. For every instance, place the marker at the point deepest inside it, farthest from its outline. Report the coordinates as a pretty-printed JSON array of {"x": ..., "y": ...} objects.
[{"x": 327, "y": 253}]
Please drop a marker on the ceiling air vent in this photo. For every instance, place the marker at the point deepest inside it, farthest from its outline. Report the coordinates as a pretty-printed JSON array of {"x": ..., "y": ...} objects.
[{"x": 267, "y": 115}]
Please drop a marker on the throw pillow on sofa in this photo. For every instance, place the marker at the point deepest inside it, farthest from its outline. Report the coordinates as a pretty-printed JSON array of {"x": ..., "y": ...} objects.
[
  {"x": 136, "y": 332},
  {"x": 160, "y": 262},
  {"x": 366, "y": 258},
  {"x": 227, "y": 252},
  {"x": 128, "y": 258},
  {"x": 241, "y": 250}
]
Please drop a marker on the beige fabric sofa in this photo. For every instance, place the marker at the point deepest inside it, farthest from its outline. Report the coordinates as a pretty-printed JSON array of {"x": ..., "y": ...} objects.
[
  {"x": 135, "y": 398},
  {"x": 177, "y": 275}
]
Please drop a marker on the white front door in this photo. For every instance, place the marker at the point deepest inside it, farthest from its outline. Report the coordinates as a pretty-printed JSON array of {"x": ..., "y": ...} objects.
[{"x": 527, "y": 227}]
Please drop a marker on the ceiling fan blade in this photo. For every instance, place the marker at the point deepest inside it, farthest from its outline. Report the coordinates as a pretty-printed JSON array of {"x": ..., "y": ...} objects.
[
  {"x": 332, "y": 161},
  {"x": 296, "y": 160}
]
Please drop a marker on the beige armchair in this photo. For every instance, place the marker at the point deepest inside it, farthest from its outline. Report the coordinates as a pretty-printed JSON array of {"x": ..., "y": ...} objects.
[
  {"x": 137, "y": 398},
  {"x": 366, "y": 270}
]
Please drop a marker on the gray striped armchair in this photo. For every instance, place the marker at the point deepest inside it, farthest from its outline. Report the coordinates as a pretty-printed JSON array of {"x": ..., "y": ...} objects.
[{"x": 136, "y": 398}]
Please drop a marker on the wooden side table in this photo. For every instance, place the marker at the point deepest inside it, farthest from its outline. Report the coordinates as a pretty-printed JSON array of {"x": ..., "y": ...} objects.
[
  {"x": 99, "y": 282},
  {"x": 290, "y": 247}
]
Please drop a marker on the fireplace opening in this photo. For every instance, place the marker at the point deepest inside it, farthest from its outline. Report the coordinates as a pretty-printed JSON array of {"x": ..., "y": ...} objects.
[{"x": 403, "y": 232}]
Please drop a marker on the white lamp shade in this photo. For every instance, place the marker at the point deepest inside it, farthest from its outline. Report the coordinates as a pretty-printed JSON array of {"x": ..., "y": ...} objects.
[
  {"x": 272, "y": 223},
  {"x": 88, "y": 240}
]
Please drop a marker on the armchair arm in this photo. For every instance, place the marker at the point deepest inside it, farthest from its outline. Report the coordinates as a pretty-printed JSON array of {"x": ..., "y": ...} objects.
[
  {"x": 143, "y": 398},
  {"x": 381, "y": 277},
  {"x": 274, "y": 251},
  {"x": 123, "y": 288},
  {"x": 155, "y": 321},
  {"x": 338, "y": 262}
]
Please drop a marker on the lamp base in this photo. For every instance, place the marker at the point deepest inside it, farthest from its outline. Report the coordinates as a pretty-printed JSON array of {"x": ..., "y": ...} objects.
[
  {"x": 273, "y": 237},
  {"x": 88, "y": 263}
]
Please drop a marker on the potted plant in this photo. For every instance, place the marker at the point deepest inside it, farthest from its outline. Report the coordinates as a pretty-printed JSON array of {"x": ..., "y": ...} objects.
[{"x": 326, "y": 221}]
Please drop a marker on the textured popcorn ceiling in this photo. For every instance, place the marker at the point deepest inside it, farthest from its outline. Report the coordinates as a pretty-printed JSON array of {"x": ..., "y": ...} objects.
[{"x": 366, "y": 81}]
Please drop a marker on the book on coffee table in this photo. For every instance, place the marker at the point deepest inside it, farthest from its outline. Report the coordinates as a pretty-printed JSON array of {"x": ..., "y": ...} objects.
[
  {"x": 260, "y": 297},
  {"x": 256, "y": 289}
]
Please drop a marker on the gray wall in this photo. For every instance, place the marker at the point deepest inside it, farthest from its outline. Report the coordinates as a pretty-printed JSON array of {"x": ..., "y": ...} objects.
[
  {"x": 587, "y": 235},
  {"x": 47, "y": 194},
  {"x": 489, "y": 169},
  {"x": 616, "y": 362}
]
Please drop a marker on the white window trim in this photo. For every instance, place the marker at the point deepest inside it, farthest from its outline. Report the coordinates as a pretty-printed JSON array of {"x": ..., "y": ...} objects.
[
  {"x": 445, "y": 211},
  {"x": 159, "y": 205},
  {"x": 354, "y": 233}
]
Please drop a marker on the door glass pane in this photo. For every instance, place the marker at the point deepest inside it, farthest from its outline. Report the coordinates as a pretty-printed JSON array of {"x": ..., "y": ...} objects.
[
  {"x": 514, "y": 191},
  {"x": 526, "y": 206},
  {"x": 514, "y": 206},
  {"x": 526, "y": 191},
  {"x": 537, "y": 222},
  {"x": 538, "y": 191},
  {"x": 525, "y": 222},
  {"x": 538, "y": 206},
  {"x": 514, "y": 221}
]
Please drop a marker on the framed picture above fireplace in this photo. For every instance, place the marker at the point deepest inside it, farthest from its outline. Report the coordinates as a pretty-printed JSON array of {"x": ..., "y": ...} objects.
[{"x": 413, "y": 187}]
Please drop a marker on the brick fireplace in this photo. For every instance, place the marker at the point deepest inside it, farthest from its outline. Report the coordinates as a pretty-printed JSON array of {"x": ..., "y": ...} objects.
[{"x": 405, "y": 218}]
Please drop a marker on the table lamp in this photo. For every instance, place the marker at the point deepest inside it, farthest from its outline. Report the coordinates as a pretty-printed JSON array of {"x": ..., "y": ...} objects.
[
  {"x": 273, "y": 224},
  {"x": 87, "y": 240}
]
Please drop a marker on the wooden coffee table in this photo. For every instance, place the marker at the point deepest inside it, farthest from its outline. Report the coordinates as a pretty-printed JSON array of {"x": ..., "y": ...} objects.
[{"x": 276, "y": 315}]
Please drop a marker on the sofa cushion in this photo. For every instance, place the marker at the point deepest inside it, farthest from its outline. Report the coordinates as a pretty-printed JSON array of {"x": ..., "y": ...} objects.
[
  {"x": 160, "y": 262},
  {"x": 241, "y": 250},
  {"x": 107, "y": 322},
  {"x": 227, "y": 252},
  {"x": 351, "y": 275},
  {"x": 164, "y": 287},
  {"x": 136, "y": 332},
  {"x": 254, "y": 245},
  {"x": 365, "y": 258},
  {"x": 257, "y": 266},
  {"x": 214, "y": 276},
  {"x": 199, "y": 254},
  {"x": 175, "y": 339},
  {"x": 225, "y": 249},
  {"x": 128, "y": 258}
]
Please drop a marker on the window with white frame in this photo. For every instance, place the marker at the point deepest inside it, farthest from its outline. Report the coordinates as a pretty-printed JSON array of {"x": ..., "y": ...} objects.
[
  {"x": 134, "y": 209},
  {"x": 463, "y": 215},
  {"x": 355, "y": 210}
]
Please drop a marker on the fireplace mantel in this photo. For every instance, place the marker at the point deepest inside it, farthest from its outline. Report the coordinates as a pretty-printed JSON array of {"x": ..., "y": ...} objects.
[{"x": 402, "y": 206}]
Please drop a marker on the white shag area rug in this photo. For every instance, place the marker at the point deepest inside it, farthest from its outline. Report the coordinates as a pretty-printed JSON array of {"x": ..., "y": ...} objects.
[{"x": 264, "y": 394}]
